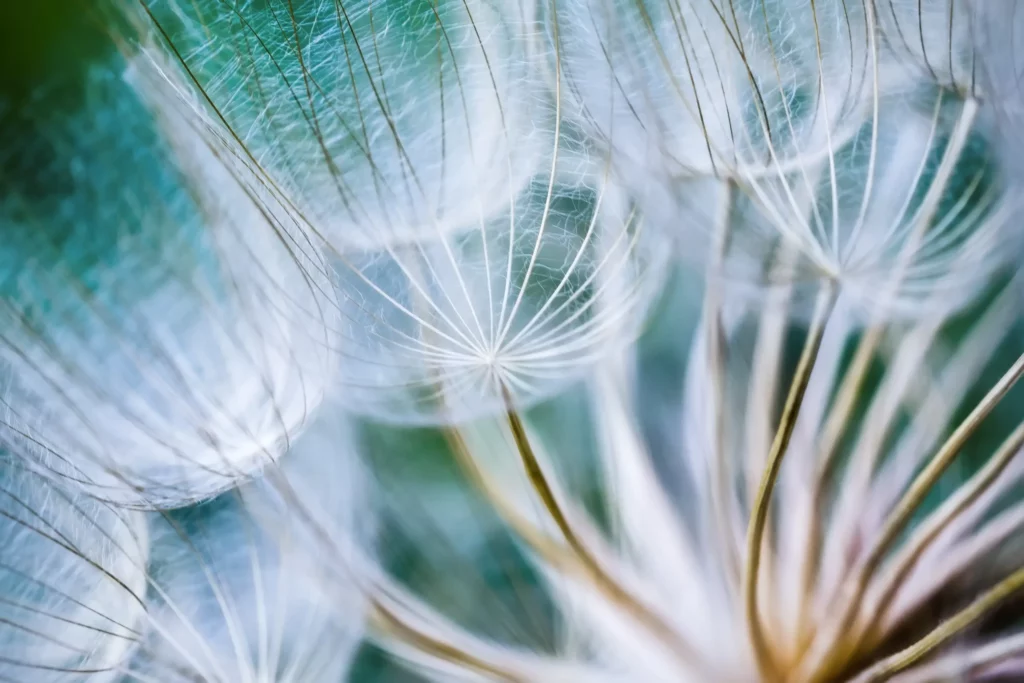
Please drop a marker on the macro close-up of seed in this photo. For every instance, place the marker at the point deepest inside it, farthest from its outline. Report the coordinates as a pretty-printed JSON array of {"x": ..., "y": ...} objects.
[{"x": 516, "y": 341}]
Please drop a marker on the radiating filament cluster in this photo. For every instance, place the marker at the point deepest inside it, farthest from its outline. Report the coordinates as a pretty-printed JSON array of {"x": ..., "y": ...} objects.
[{"x": 513, "y": 340}]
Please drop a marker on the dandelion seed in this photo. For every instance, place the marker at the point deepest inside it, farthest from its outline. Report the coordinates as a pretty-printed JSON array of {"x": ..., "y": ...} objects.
[
  {"x": 381, "y": 122},
  {"x": 521, "y": 305},
  {"x": 496, "y": 297},
  {"x": 234, "y": 593},
  {"x": 162, "y": 330},
  {"x": 771, "y": 126},
  {"x": 72, "y": 580}
]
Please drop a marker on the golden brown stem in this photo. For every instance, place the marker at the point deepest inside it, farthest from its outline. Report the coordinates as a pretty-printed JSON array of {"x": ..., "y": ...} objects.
[
  {"x": 606, "y": 583},
  {"x": 947, "y": 630},
  {"x": 911, "y": 500},
  {"x": 762, "y": 505}
]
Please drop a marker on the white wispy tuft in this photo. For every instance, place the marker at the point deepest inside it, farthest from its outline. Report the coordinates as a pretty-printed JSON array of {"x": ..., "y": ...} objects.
[
  {"x": 235, "y": 594},
  {"x": 165, "y": 333},
  {"x": 846, "y": 133},
  {"x": 444, "y": 314},
  {"x": 934, "y": 38},
  {"x": 999, "y": 32},
  {"x": 72, "y": 580},
  {"x": 383, "y": 123}
]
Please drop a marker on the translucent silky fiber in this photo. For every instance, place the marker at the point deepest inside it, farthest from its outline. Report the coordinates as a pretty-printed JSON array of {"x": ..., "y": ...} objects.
[
  {"x": 506, "y": 313},
  {"x": 931, "y": 39},
  {"x": 237, "y": 594},
  {"x": 481, "y": 253},
  {"x": 166, "y": 332},
  {"x": 380, "y": 121},
  {"x": 999, "y": 36},
  {"x": 911, "y": 213},
  {"x": 685, "y": 89},
  {"x": 801, "y": 142},
  {"x": 72, "y": 580}
]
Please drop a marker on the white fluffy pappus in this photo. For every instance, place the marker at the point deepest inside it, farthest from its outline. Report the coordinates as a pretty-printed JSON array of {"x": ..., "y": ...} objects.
[
  {"x": 472, "y": 238},
  {"x": 72, "y": 580},
  {"x": 508, "y": 312},
  {"x": 999, "y": 31},
  {"x": 797, "y": 129},
  {"x": 935, "y": 40},
  {"x": 677, "y": 90},
  {"x": 807, "y": 550},
  {"x": 235, "y": 594},
  {"x": 913, "y": 210},
  {"x": 381, "y": 122},
  {"x": 164, "y": 323}
]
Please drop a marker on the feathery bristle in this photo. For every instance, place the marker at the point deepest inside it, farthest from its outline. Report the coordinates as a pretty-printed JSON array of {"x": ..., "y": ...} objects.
[{"x": 327, "y": 344}]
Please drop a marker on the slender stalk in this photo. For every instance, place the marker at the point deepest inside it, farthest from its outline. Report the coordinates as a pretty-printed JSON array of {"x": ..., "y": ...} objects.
[
  {"x": 761, "y": 406},
  {"x": 947, "y": 630},
  {"x": 390, "y": 623},
  {"x": 835, "y": 426},
  {"x": 535, "y": 537},
  {"x": 898, "y": 519},
  {"x": 577, "y": 559},
  {"x": 950, "y": 449},
  {"x": 762, "y": 505},
  {"x": 721, "y": 472},
  {"x": 771, "y": 335},
  {"x": 598, "y": 574},
  {"x": 940, "y": 520}
]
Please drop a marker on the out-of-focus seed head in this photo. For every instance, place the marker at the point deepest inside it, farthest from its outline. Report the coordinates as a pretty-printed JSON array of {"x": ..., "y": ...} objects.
[
  {"x": 72, "y": 580},
  {"x": 677, "y": 90},
  {"x": 909, "y": 215},
  {"x": 799, "y": 142},
  {"x": 165, "y": 329},
  {"x": 381, "y": 122},
  {"x": 230, "y": 604},
  {"x": 235, "y": 593}
]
